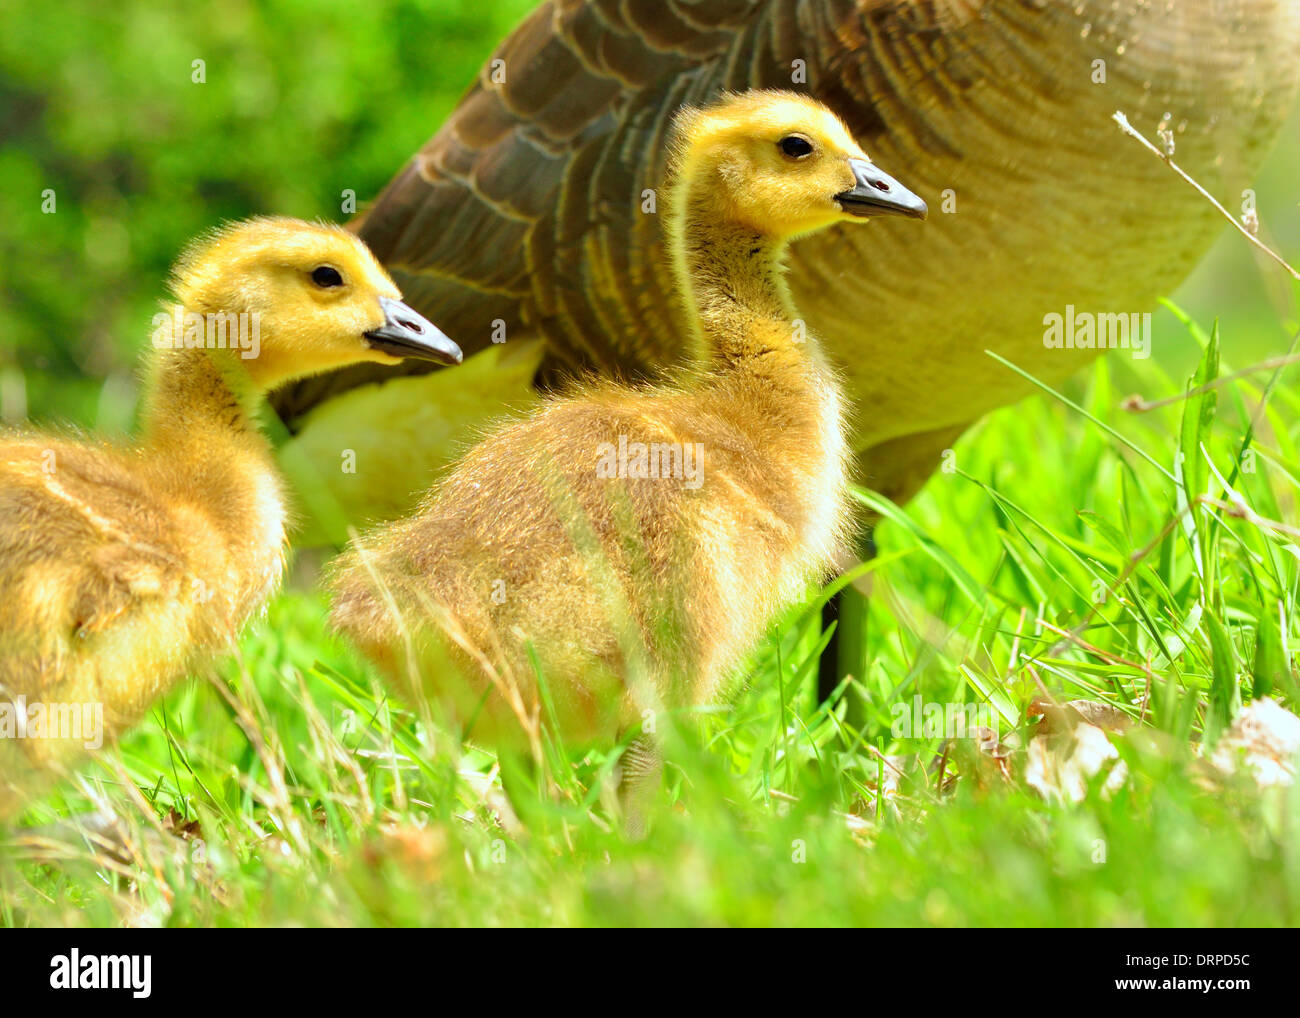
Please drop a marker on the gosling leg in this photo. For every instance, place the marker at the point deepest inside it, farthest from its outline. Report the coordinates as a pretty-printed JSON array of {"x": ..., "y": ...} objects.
[{"x": 847, "y": 611}]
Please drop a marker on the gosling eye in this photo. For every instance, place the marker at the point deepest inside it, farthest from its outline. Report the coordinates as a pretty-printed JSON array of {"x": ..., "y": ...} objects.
[
  {"x": 326, "y": 276},
  {"x": 795, "y": 146}
]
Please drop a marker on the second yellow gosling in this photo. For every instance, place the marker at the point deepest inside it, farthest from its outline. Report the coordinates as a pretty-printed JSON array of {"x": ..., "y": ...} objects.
[{"x": 632, "y": 545}]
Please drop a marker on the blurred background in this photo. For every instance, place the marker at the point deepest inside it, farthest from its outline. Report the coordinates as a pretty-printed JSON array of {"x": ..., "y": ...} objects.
[{"x": 302, "y": 100}]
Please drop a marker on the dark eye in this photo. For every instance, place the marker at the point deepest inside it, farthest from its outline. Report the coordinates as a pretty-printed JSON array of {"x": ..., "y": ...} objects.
[
  {"x": 796, "y": 146},
  {"x": 325, "y": 277}
]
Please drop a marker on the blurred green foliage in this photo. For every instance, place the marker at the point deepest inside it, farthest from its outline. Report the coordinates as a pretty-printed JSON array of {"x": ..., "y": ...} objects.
[{"x": 302, "y": 99}]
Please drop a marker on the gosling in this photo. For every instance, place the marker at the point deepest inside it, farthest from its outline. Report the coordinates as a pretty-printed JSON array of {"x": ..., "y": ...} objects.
[
  {"x": 121, "y": 565},
  {"x": 632, "y": 545}
]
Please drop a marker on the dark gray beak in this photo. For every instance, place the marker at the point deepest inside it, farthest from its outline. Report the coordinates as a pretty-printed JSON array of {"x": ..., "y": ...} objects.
[
  {"x": 406, "y": 333},
  {"x": 878, "y": 194}
]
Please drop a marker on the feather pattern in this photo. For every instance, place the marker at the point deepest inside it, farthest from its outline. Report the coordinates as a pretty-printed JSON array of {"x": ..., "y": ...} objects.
[{"x": 526, "y": 206}]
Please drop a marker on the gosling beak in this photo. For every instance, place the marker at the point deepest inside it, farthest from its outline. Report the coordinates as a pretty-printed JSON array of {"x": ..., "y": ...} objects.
[
  {"x": 406, "y": 333},
  {"x": 878, "y": 194}
]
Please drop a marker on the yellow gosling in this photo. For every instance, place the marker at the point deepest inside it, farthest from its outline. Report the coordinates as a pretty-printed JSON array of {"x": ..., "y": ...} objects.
[
  {"x": 122, "y": 564},
  {"x": 632, "y": 544}
]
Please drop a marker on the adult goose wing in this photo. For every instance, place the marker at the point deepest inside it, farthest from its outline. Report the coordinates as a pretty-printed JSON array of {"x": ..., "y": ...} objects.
[
  {"x": 490, "y": 219},
  {"x": 530, "y": 207}
]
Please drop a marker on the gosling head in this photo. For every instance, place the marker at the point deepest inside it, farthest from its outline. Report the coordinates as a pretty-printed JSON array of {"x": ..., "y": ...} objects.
[
  {"x": 781, "y": 164},
  {"x": 321, "y": 299}
]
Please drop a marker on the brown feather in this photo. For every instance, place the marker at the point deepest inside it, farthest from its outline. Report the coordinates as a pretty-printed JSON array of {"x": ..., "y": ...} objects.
[{"x": 989, "y": 98}]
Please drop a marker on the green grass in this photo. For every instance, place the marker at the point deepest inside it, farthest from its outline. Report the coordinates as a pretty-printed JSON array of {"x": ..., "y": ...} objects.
[{"x": 318, "y": 800}]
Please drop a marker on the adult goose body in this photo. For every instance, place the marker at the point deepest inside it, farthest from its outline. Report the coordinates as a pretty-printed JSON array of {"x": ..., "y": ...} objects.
[{"x": 529, "y": 216}]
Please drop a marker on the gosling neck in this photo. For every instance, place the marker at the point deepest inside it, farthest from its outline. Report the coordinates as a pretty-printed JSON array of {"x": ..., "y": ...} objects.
[
  {"x": 202, "y": 388},
  {"x": 733, "y": 277}
]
